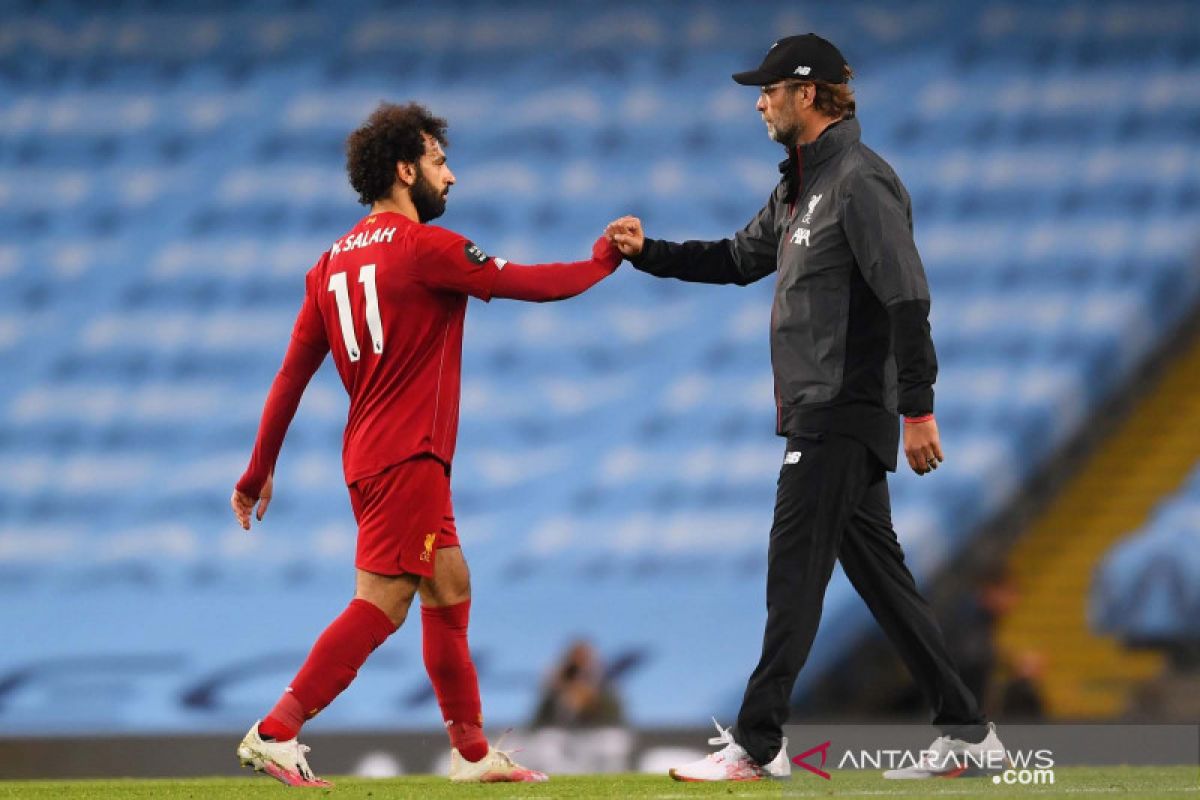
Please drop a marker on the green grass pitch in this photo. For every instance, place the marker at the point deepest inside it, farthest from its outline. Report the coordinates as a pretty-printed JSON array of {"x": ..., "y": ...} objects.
[{"x": 1074, "y": 782}]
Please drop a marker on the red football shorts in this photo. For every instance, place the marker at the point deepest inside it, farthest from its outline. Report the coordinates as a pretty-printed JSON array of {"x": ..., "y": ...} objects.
[{"x": 404, "y": 514}]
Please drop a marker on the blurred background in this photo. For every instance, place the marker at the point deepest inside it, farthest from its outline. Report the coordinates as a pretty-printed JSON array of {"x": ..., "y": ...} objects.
[{"x": 170, "y": 170}]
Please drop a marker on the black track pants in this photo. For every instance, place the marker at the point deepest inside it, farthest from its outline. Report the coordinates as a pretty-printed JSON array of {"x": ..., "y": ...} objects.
[{"x": 832, "y": 503}]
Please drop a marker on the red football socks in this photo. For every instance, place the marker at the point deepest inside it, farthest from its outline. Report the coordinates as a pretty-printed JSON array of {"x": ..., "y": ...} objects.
[
  {"x": 344, "y": 646},
  {"x": 448, "y": 662},
  {"x": 331, "y": 666},
  {"x": 468, "y": 739},
  {"x": 285, "y": 719}
]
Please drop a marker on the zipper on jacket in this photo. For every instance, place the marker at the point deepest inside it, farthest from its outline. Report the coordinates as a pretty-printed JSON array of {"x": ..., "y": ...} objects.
[{"x": 799, "y": 159}]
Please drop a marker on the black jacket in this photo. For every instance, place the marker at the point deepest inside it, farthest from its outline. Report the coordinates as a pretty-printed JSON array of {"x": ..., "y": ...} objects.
[{"x": 850, "y": 341}]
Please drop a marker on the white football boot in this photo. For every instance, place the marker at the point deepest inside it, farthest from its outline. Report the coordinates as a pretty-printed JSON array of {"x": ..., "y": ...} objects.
[
  {"x": 283, "y": 761},
  {"x": 496, "y": 767},
  {"x": 732, "y": 763},
  {"x": 954, "y": 758}
]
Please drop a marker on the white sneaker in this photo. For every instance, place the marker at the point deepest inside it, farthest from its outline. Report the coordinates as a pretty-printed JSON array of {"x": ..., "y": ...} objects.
[
  {"x": 781, "y": 767},
  {"x": 732, "y": 763},
  {"x": 954, "y": 758},
  {"x": 496, "y": 767},
  {"x": 283, "y": 761}
]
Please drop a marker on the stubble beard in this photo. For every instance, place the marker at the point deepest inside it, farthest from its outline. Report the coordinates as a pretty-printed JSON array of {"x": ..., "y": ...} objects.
[
  {"x": 429, "y": 203},
  {"x": 785, "y": 136}
]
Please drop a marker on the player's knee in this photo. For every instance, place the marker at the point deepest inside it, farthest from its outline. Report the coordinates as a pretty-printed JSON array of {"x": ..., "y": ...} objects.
[
  {"x": 395, "y": 607},
  {"x": 444, "y": 592},
  {"x": 459, "y": 593},
  {"x": 397, "y": 614},
  {"x": 390, "y": 594},
  {"x": 394, "y": 611},
  {"x": 457, "y": 589},
  {"x": 451, "y": 581}
]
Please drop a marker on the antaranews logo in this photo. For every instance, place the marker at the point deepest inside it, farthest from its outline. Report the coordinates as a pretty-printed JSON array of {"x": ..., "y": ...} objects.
[
  {"x": 1016, "y": 758},
  {"x": 1027, "y": 768},
  {"x": 1025, "y": 777},
  {"x": 1008, "y": 767},
  {"x": 800, "y": 760}
]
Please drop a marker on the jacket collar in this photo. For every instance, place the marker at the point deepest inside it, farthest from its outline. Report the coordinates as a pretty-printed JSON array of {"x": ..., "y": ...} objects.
[{"x": 834, "y": 139}]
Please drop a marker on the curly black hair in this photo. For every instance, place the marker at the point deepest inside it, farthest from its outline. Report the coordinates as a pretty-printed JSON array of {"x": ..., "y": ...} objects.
[{"x": 392, "y": 134}]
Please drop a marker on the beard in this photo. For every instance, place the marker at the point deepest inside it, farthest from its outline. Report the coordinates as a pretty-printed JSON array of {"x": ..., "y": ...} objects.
[
  {"x": 430, "y": 204},
  {"x": 785, "y": 135}
]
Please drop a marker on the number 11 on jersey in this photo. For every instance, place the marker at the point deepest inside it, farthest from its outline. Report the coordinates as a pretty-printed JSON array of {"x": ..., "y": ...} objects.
[{"x": 341, "y": 293}]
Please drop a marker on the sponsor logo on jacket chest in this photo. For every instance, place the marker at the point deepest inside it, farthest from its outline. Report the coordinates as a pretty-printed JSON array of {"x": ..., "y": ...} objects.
[{"x": 801, "y": 236}]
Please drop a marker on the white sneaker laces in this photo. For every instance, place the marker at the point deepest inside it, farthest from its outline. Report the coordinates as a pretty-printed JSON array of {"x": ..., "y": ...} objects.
[
  {"x": 505, "y": 756},
  {"x": 731, "y": 751}
]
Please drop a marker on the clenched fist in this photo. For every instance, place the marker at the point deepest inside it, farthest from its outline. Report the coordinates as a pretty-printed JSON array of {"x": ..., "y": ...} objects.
[{"x": 627, "y": 234}]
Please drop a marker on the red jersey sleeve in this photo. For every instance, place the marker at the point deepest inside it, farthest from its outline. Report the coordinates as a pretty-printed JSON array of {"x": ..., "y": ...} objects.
[
  {"x": 545, "y": 282},
  {"x": 306, "y": 351},
  {"x": 447, "y": 261},
  {"x": 451, "y": 262}
]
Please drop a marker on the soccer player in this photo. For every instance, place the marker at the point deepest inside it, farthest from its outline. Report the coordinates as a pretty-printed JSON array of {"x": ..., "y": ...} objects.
[{"x": 388, "y": 299}]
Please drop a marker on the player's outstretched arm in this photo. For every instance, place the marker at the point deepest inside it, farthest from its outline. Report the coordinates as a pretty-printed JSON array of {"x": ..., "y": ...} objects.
[
  {"x": 256, "y": 484},
  {"x": 546, "y": 282}
]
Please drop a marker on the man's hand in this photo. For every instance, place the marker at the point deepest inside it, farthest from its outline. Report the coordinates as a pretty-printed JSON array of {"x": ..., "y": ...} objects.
[
  {"x": 627, "y": 234},
  {"x": 244, "y": 504},
  {"x": 922, "y": 445}
]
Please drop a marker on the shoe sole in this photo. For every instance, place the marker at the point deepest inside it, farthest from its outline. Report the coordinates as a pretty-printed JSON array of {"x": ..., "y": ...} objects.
[
  {"x": 685, "y": 779},
  {"x": 249, "y": 758},
  {"x": 529, "y": 776}
]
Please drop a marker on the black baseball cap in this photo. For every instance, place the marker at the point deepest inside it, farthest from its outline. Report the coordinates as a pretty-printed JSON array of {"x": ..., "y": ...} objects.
[{"x": 807, "y": 57}]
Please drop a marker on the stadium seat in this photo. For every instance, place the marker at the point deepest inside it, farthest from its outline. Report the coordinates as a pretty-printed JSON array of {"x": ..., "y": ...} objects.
[{"x": 168, "y": 175}]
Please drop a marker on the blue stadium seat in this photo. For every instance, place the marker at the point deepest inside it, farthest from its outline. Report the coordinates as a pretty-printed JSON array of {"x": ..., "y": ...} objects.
[{"x": 167, "y": 176}]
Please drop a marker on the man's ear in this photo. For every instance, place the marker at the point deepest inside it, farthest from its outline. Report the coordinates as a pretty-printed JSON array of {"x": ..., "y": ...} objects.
[
  {"x": 804, "y": 97},
  {"x": 406, "y": 173}
]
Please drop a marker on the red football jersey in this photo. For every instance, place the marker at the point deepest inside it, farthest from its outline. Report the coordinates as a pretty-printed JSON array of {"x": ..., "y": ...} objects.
[{"x": 389, "y": 300}]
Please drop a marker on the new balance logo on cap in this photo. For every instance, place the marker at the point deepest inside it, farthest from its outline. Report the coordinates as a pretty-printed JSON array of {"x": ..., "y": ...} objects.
[
  {"x": 792, "y": 457},
  {"x": 808, "y": 57}
]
